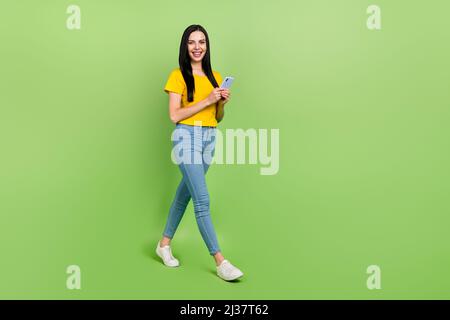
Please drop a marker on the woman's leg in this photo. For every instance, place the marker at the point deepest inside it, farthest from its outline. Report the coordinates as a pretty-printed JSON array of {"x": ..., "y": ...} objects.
[
  {"x": 177, "y": 209},
  {"x": 194, "y": 177},
  {"x": 193, "y": 146}
]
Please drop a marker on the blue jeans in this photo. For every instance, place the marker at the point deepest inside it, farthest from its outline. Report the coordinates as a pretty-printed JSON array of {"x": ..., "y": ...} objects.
[{"x": 193, "y": 150}]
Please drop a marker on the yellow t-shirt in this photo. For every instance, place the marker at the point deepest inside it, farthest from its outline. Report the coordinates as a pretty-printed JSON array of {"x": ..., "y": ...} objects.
[{"x": 203, "y": 88}]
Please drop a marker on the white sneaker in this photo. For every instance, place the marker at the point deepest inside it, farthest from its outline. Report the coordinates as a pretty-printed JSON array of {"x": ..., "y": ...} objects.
[
  {"x": 165, "y": 253},
  {"x": 227, "y": 271}
]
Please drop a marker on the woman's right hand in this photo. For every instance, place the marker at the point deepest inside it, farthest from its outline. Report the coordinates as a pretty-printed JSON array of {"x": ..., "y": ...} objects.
[{"x": 214, "y": 96}]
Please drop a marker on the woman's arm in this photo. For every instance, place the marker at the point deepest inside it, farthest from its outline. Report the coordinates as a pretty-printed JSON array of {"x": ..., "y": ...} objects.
[{"x": 177, "y": 113}]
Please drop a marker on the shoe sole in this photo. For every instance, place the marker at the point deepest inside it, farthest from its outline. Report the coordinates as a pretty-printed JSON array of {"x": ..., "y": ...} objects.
[{"x": 231, "y": 279}]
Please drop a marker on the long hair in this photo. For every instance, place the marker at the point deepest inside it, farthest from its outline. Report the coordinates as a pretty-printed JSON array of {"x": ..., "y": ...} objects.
[{"x": 184, "y": 61}]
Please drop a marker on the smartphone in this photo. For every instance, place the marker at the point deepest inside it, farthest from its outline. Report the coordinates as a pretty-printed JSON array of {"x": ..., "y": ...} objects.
[{"x": 226, "y": 84}]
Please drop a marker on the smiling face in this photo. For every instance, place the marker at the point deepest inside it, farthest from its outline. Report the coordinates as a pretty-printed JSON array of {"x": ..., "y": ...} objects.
[{"x": 197, "y": 46}]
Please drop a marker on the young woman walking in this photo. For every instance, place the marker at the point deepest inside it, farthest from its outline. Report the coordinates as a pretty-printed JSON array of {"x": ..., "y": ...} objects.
[{"x": 196, "y": 105}]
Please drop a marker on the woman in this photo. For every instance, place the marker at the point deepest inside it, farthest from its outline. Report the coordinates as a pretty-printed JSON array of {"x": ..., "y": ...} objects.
[{"x": 196, "y": 105}]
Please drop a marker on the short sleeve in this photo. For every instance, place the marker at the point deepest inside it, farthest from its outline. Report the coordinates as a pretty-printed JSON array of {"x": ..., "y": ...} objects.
[{"x": 175, "y": 83}]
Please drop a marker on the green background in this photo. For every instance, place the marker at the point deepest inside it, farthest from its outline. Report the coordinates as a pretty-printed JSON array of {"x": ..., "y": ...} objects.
[{"x": 86, "y": 176}]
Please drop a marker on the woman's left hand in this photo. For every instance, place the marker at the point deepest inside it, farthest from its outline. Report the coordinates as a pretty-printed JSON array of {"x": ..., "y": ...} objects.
[{"x": 226, "y": 94}]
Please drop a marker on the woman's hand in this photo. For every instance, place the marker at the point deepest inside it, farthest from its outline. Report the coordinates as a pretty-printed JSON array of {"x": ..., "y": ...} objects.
[
  {"x": 214, "y": 96},
  {"x": 225, "y": 96}
]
